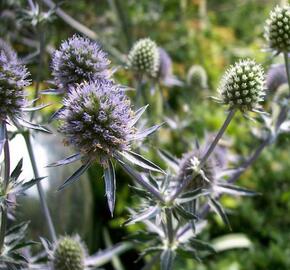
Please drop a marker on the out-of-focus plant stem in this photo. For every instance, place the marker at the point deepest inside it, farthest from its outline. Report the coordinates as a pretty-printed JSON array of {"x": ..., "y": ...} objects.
[
  {"x": 43, "y": 202},
  {"x": 286, "y": 59},
  {"x": 122, "y": 20},
  {"x": 169, "y": 225},
  {"x": 84, "y": 30},
  {"x": 6, "y": 183}
]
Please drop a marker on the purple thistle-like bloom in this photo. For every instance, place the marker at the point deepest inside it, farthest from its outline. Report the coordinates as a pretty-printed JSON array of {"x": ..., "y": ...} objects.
[
  {"x": 276, "y": 76},
  {"x": 78, "y": 59},
  {"x": 165, "y": 73},
  {"x": 97, "y": 119},
  {"x": 13, "y": 79}
]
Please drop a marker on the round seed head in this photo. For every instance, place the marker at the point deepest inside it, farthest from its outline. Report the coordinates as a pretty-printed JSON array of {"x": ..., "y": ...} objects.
[
  {"x": 96, "y": 119},
  {"x": 78, "y": 59},
  {"x": 69, "y": 254},
  {"x": 242, "y": 86},
  {"x": 144, "y": 58},
  {"x": 197, "y": 77},
  {"x": 277, "y": 29},
  {"x": 13, "y": 80}
]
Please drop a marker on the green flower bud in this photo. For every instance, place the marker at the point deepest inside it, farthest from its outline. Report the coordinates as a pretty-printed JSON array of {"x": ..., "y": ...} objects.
[
  {"x": 197, "y": 77},
  {"x": 69, "y": 254},
  {"x": 242, "y": 86},
  {"x": 277, "y": 29},
  {"x": 144, "y": 57},
  {"x": 201, "y": 178}
]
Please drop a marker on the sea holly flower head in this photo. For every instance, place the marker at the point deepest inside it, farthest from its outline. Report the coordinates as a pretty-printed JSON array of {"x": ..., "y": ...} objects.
[
  {"x": 69, "y": 254},
  {"x": 242, "y": 86},
  {"x": 97, "y": 119},
  {"x": 197, "y": 77},
  {"x": 144, "y": 58},
  {"x": 78, "y": 59},
  {"x": 13, "y": 80},
  {"x": 277, "y": 29}
]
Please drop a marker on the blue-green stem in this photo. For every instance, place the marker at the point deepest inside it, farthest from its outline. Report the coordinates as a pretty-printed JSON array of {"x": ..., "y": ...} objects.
[
  {"x": 286, "y": 59},
  {"x": 218, "y": 137},
  {"x": 6, "y": 183},
  {"x": 42, "y": 199},
  {"x": 169, "y": 225}
]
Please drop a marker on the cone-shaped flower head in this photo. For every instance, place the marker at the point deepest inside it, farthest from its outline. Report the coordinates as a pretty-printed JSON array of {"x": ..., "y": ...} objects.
[
  {"x": 197, "y": 77},
  {"x": 78, "y": 60},
  {"x": 188, "y": 166},
  {"x": 13, "y": 79},
  {"x": 97, "y": 119},
  {"x": 69, "y": 254},
  {"x": 242, "y": 86},
  {"x": 144, "y": 57},
  {"x": 277, "y": 29},
  {"x": 276, "y": 76}
]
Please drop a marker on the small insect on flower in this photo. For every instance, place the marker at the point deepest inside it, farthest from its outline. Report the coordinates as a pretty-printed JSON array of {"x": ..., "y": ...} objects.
[
  {"x": 77, "y": 60},
  {"x": 242, "y": 86},
  {"x": 277, "y": 29},
  {"x": 144, "y": 58},
  {"x": 69, "y": 254},
  {"x": 97, "y": 119}
]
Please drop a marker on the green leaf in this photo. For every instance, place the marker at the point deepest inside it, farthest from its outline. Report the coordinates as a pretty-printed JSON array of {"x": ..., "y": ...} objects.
[
  {"x": 217, "y": 207},
  {"x": 76, "y": 175},
  {"x": 184, "y": 213},
  {"x": 235, "y": 190},
  {"x": 147, "y": 214},
  {"x": 110, "y": 183},
  {"x": 201, "y": 245},
  {"x": 18, "y": 169}
]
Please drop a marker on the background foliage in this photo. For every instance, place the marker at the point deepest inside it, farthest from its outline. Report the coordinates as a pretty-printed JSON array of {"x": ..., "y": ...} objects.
[{"x": 212, "y": 34}]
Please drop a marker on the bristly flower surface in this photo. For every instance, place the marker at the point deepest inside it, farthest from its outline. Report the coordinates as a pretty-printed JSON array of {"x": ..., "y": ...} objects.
[
  {"x": 69, "y": 254},
  {"x": 277, "y": 29},
  {"x": 77, "y": 60},
  {"x": 13, "y": 80},
  {"x": 242, "y": 86},
  {"x": 96, "y": 119},
  {"x": 144, "y": 58}
]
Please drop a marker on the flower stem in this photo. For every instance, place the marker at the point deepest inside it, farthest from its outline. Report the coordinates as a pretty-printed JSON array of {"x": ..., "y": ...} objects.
[
  {"x": 169, "y": 225},
  {"x": 43, "y": 202},
  {"x": 6, "y": 183},
  {"x": 286, "y": 59},
  {"x": 218, "y": 137}
]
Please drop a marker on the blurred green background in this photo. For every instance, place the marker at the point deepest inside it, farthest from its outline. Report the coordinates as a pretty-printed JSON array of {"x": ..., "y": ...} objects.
[{"x": 212, "y": 34}]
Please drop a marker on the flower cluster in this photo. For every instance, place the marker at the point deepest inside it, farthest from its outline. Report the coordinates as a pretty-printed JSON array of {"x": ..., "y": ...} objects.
[
  {"x": 277, "y": 29},
  {"x": 78, "y": 60},
  {"x": 69, "y": 254},
  {"x": 242, "y": 86},
  {"x": 96, "y": 119},
  {"x": 197, "y": 77},
  {"x": 13, "y": 80},
  {"x": 144, "y": 57}
]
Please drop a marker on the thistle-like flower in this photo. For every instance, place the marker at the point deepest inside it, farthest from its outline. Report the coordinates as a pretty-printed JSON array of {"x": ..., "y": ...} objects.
[
  {"x": 242, "y": 86},
  {"x": 189, "y": 170},
  {"x": 276, "y": 76},
  {"x": 13, "y": 80},
  {"x": 277, "y": 29},
  {"x": 78, "y": 60},
  {"x": 144, "y": 58},
  {"x": 165, "y": 73},
  {"x": 98, "y": 121},
  {"x": 197, "y": 77},
  {"x": 69, "y": 254}
]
